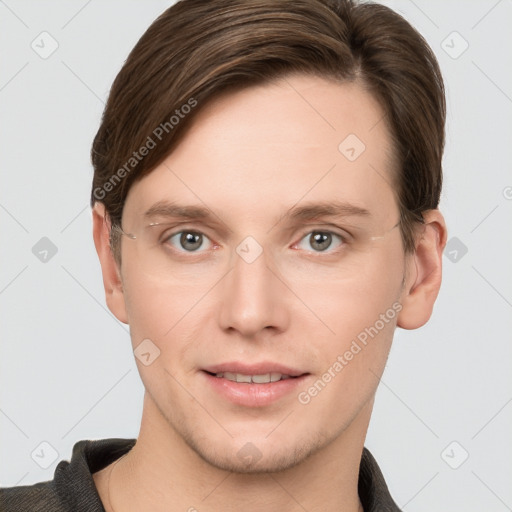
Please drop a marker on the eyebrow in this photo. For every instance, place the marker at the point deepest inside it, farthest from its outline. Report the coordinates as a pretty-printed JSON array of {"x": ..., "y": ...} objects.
[
  {"x": 308, "y": 211},
  {"x": 311, "y": 211}
]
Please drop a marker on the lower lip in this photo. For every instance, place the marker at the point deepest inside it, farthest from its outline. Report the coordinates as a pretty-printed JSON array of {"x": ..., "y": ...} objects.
[{"x": 254, "y": 395}]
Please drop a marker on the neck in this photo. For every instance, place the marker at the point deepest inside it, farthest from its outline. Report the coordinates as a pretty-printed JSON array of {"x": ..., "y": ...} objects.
[{"x": 162, "y": 473}]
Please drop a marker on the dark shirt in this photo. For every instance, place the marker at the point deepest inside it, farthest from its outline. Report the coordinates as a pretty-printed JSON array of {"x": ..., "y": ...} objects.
[{"x": 73, "y": 490}]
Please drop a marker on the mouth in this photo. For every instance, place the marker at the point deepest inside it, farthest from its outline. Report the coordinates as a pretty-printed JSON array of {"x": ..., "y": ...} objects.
[
  {"x": 253, "y": 385},
  {"x": 263, "y": 378}
]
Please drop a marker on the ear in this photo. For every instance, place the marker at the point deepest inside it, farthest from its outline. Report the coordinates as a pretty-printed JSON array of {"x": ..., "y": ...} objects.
[
  {"x": 111, "y": 273},
  {"x": 423, "y": 273}
]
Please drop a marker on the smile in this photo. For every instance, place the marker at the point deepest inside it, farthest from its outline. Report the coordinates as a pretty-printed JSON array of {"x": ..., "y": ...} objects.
[
  {"x": 253, "y": 385},
  {"x": 254, "y": 379}
]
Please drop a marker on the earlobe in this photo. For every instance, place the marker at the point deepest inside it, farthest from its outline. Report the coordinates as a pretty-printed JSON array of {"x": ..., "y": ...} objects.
[
  {"x": 112, "y": 284},
  {"x": 424, "y": 273}
]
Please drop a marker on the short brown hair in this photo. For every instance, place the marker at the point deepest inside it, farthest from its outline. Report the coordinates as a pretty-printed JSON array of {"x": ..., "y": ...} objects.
[{"x": 198, "y": 49}]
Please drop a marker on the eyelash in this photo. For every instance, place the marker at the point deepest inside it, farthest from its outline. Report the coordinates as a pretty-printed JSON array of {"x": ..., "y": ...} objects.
[{"x": 342, "y": 238}]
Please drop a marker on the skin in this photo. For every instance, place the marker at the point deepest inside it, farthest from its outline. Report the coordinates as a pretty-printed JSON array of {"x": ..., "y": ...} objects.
[{"x": 250, "y": 156}]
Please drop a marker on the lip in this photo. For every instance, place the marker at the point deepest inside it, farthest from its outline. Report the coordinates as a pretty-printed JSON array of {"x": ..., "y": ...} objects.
[
  {"x": 253, "y": 369},
  {"x": 250, "y": 394}
]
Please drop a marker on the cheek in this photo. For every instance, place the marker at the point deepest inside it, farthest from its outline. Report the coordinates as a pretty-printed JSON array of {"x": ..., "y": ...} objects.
[
  {"x": 358, "y": 294},
  {"x": 160, "y": 315},
  {"x": 174, "y": 315},
  {"x": 358, "y": 312},
  {"x": 155, "y": 311},
  {"x": 362, "y": 312}
]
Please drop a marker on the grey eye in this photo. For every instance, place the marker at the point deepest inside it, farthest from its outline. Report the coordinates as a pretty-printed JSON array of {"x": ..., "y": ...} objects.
[
  {"x": 320, "y": 241},
  {"x": 189, "y": 241}
]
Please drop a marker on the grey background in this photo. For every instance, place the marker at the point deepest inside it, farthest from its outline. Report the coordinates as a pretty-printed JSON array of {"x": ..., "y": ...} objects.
[{"x": 67, "y": 371}]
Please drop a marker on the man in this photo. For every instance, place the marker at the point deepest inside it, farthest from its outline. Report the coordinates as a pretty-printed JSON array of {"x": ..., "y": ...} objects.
[{"x": 267, "y": 177}]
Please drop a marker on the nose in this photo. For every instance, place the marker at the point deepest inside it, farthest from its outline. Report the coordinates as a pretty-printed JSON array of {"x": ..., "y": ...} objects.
[{"x": 254, "y": 297}]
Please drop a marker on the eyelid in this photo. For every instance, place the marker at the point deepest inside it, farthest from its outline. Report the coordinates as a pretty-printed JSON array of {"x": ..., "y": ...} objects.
[
  {"x": 172, "y": 228},
  {"x": 327, "y": 228},
  {"x": 195, "y": 226}
]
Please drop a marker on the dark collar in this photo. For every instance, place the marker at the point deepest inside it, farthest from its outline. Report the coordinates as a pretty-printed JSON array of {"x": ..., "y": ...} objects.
[{"x": 373, "y": 491}]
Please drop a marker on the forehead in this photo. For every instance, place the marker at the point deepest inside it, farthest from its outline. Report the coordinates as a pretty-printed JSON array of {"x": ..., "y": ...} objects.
[
  {"x": 267, "y": 147},
  {"x": 308, "y": 111}
]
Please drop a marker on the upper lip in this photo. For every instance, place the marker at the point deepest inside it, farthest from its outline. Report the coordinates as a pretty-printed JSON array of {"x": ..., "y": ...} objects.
[{"x": 253, "y": 369}]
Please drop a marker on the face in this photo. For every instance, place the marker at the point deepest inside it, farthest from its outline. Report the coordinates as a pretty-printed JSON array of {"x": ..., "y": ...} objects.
[{"x": 265, "y": 284}]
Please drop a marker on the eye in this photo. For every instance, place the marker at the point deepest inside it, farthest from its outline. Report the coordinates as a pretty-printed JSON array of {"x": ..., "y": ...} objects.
[
  {"x": 190, "y": 241},
  {"x": 320, "y": 240},
  {"x": 193, "y": 241}
]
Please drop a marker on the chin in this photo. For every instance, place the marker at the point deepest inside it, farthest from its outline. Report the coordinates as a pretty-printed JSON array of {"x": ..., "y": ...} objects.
[{"x": 256, "y": 457}]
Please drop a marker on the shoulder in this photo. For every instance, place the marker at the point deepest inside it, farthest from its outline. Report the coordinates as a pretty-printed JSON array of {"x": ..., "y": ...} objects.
[
  {"x": 72, "y": 487},
  {"x": 40, "y": 497}
]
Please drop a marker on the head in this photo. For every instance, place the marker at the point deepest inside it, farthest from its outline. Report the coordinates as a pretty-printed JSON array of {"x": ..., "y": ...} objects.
[{"x": 253, "y": 112}]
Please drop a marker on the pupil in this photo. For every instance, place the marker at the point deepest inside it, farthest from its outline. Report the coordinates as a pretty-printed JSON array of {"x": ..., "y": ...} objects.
[
  {"x": 323, "y": 240},
  {"x": 191, "y": 238}
]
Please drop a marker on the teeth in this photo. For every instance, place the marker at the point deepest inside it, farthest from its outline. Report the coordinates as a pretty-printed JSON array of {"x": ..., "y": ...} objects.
[
  {"x": 255, "y": 379},
  {"x": 260, "y": 379},
  {"x": 243, "y": 378}
]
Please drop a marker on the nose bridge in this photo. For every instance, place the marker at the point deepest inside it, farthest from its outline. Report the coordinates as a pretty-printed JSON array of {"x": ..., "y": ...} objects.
[{"x": 250, "y": 298}]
